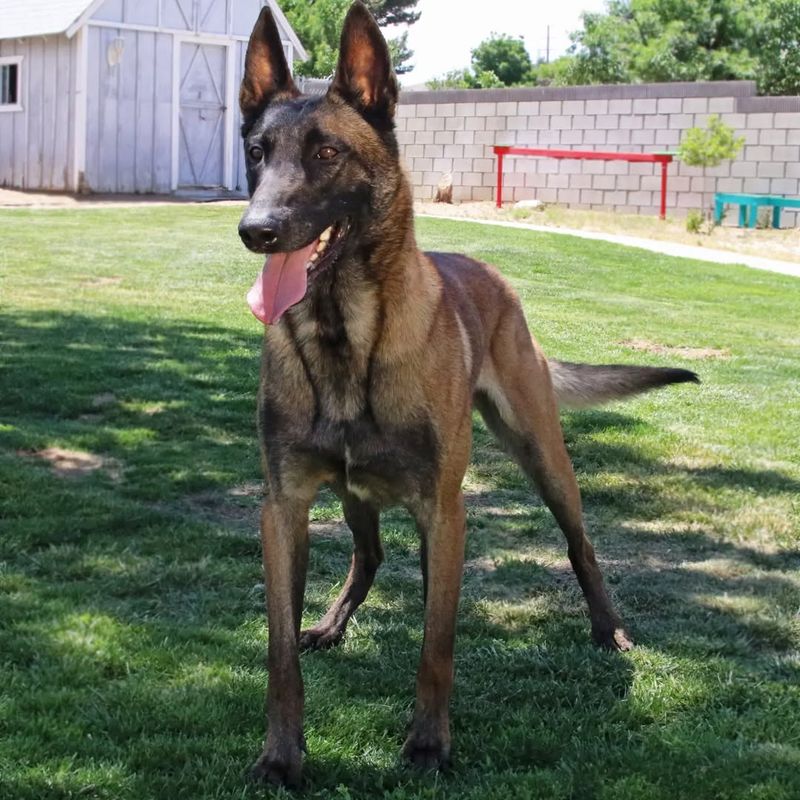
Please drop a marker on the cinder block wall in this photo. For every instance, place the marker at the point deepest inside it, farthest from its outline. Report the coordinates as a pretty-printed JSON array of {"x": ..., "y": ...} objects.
[{"x": 454, "y": 131}]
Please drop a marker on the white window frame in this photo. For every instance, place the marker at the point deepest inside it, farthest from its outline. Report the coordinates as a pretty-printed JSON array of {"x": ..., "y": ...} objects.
[{"x": 10, "y": 60}]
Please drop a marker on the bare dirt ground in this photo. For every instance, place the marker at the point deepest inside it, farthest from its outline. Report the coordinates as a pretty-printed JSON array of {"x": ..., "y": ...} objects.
[{"x": 782, "y": 244}]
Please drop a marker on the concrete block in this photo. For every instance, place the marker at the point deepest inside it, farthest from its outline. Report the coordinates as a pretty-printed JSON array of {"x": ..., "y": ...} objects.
[
  {"x": 573, "y": 107},
  {"x": 769, "y": 169},
  {"x": 462, "y": 165},
  {"x": 547, "y": 195},
  {"x": 572, "y": 138},
  {"x": 644, "y": 106},
  {"x": 631, "y": 121},
  {"x": 413, "y": 151},
  {"x": 415, "y": 123},
  {"x": 517, "y": 123},
  {"x": 595, "y": 137},
  {"x": 695, "y": 105},
  {"x": 477, "y": 151},
  {"x": 721, "y": 105},
  {"x": 583, "y": 122},
  {"x": 786, "y": 153},
  {"x": 643, "y": 137},
  {"x": 758, "y": 154},
  {"x": 433, "y": 151},
  {"x": 760, "y": 120},
  {"x": 681, "y": 121},
  {"x": 538, "y": 123},
  {"x": 620, "y": 106},
  {"x": 744, "y": 169},
  {"x": 535, "y": 179},
  {"x": 669, "y": 105},
  {"x": 485, "y": 109},
  {"x": 442, "y": 164},
  {"x": 734, "y": 120},
  {"x": 793, "y": 137},
  {"x": 640, "y": 198},
  {"x": 619, "y": 136},
  {"x": 594, "y": 167},
  {"x": 729, "y": 185},
  {"x": 486, "y": 137},
  {"x": 690, "y": 200},
  {"x": 496, "y": 123},
  {"x": 617, "y": 167},
  {"x": 558, "y": 181},
  {"x": 668, "y": 138},
  {"x": 549, "y": 138},
  {"x": 615, "y": 198},
  {"x": 422, "y": 164},
  {"x": 772, "y": 136},
  {"x": 656, "y": 121},
  {"x": 605, "y": 182},
  {"x": 787, "y": 120},
  {"x": 405, "y": 137},
  {"x": 482, "y": 193},
  {"x": 581, "y": 181},
  {"x": 434, "y": 124},
  {"x": 756, "y": 185},
  {"x": 455, "y": 151},
  {"x": 424, "y": 137},
  {"x": 475, "y": 123},
  {"x": 508, "y": 109},
  {"x": 550, "y": 107},
  {"x": 426, "y": 110},
  {"x": 597, "y": 106},
  {"x": 444, "y": 137},
  {"x": 561, "y": 122},
  {"x": 784, "y": 186},
  {"x": 445, "y": 109},
  {"x": 465, "y": 109},
  {"x": 569, "y": 196},
  {"x": 529, "y": 108},
  {"x": 630, "y": 183},
  {"x": 607, "y": 121},
  {"x": 464, "y": 137},
  {"x": 455, "y": 123}
]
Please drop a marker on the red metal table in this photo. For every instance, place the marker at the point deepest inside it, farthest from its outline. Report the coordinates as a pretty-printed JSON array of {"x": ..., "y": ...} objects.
[{"x": 596, "y": 155}]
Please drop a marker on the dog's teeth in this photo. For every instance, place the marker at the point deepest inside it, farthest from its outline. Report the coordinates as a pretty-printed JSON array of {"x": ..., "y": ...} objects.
[
  {"x": 314, "y": 257},
  {"x": 326, "y": 234},
  {"x": 321, "y": 246}
]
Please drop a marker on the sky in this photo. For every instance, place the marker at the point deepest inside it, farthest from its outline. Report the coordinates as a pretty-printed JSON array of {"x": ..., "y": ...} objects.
[{"x": 449, "y": 29}]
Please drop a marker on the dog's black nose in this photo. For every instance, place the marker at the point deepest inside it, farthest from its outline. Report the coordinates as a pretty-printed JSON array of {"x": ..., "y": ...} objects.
[{"x": 257, "y": 235}]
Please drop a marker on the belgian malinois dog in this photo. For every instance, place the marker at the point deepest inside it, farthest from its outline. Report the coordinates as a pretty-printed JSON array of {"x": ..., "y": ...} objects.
[{"x": 374, "y": 355}]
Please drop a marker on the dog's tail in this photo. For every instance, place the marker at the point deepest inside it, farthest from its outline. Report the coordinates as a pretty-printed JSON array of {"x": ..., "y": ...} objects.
[{"x": 582, "y": 385}]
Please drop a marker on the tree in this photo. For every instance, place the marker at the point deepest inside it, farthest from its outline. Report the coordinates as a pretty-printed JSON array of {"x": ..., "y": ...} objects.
[
  {"x": 505, "y": 56},
  {"x": 779, "y": 68},
  {"x": 318, "y": 24},
  {"x": 668, "y": 40},
  {"x": 500, "y": 60},
  {"x": 709, "y": 147}
]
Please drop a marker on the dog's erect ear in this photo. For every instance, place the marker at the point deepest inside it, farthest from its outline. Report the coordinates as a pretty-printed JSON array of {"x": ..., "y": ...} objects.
[
  {"x": 364, "y": 76},
  {"x": 266, "y": 73}
]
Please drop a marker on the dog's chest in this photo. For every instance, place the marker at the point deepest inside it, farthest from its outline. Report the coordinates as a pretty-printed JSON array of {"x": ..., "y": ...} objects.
[{"x": 383, "y": 463}]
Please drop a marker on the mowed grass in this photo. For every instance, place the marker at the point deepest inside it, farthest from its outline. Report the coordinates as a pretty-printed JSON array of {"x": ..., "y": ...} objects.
[{"x": 132, "y": 633}]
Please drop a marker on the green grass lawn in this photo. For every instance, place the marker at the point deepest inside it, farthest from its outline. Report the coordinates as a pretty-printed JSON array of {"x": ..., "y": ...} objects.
[{"x": 132, "y": 633}]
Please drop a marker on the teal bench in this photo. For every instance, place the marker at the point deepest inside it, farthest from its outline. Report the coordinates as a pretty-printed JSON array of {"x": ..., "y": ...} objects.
[{"x": 749, "y": 205}]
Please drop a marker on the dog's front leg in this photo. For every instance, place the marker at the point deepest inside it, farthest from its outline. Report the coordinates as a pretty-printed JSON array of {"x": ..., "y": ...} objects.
[
  {"x": 284, "y": 536},
  {"x": 428, "y": 742}
]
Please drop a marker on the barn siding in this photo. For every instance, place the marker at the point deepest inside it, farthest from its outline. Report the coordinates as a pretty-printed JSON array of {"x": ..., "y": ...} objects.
[
  {"x": 36, "y": 143},
  {"x": 129, "y": 119}
]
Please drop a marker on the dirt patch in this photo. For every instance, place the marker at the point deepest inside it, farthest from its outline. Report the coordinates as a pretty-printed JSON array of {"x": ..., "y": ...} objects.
[
  {"x": 74, "y": 463},
  {"x": 692, "y": 353}
]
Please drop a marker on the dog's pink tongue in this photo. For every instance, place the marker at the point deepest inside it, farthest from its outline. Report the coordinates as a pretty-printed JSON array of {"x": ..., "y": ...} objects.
[{"x": 281, "y": 284}]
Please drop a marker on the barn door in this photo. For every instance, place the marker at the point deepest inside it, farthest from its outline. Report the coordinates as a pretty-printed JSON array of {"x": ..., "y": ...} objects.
[{"x": 201, "y": 119}]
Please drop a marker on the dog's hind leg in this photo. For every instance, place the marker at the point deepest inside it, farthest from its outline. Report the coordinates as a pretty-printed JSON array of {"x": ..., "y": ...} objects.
[
  {"x": 516, "y": 399},
  {"x": 367, "y": 556}
]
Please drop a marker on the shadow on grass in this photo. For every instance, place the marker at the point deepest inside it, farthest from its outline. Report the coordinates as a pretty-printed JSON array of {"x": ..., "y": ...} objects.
[{"x": 137, "y": 630}]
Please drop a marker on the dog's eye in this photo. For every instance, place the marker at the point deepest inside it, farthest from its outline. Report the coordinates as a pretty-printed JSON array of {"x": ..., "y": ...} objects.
[
  {"x": 327, "y": 153},
  {"x": 256, "y": 152}
]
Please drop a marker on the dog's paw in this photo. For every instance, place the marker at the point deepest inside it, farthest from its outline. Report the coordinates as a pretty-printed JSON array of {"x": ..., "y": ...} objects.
[
  {"x": 612, "y": 639},
  {"x": 279, "y": 767},
  {"x": 426, "y": 752},
  {"x": 319, "y": 638}
]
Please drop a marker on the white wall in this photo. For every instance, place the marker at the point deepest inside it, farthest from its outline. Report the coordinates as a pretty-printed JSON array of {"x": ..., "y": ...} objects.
[{"x": 36, "y": 143}]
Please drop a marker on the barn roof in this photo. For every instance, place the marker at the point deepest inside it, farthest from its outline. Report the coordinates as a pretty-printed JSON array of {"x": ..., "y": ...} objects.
[{"x": 21, "y": 18}]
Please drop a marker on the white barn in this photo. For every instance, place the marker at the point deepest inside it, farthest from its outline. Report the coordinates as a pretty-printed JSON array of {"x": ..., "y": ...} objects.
[{"x": 125, "y": 95}]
